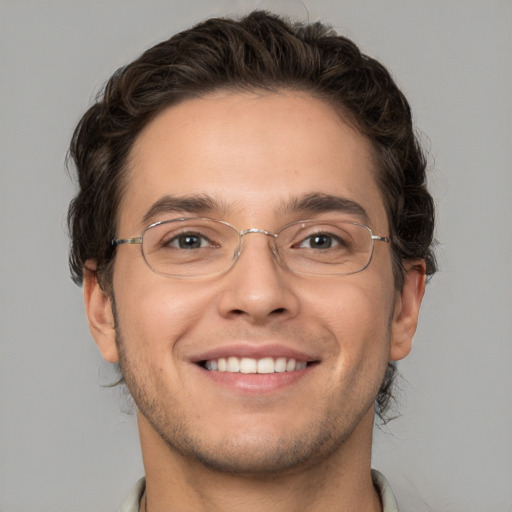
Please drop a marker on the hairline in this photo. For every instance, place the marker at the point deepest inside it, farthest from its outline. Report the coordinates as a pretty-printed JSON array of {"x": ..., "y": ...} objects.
[{"x": 343, "y": 113}]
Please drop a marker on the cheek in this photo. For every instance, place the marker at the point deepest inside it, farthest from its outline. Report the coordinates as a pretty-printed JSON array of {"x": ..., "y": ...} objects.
[
  {"x": 155, "y": 312},
  {"x": 357, "y": 312}
]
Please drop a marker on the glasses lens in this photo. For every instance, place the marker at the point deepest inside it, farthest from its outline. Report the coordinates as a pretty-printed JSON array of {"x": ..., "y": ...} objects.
[
  {"x": 190, "y": 247},
  {"x": 325, "y": 248}
]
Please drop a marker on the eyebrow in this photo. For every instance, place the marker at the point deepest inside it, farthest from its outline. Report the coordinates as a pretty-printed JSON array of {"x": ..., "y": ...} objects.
[
  {"x": 197, "y": 204},
  {"x": 307, "y": 204},
  {"x": 322, "y": 203}
]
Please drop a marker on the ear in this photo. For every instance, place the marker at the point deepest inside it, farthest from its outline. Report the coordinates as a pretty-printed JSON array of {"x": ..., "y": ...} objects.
[
  {"x": 407, "y": 308},
  {"x": 98, "y": 308}
]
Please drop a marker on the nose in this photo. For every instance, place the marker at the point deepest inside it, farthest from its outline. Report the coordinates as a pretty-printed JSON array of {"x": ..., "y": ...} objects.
[{"x": 257, "y": 288}]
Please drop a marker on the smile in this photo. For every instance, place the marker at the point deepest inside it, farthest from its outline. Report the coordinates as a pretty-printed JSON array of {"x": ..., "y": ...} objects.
[{"x": 249, "y": 365}]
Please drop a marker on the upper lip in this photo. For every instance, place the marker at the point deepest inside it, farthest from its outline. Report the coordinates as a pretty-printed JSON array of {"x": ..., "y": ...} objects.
[{"x": 254, "y": 351}]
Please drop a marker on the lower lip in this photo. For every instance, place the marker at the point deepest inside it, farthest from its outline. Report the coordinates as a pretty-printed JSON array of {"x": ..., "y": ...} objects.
[{"x": 256, "y": 383}]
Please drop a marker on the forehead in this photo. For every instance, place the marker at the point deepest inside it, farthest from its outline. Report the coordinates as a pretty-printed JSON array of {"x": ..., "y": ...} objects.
[{"x": 252, "y": 154}]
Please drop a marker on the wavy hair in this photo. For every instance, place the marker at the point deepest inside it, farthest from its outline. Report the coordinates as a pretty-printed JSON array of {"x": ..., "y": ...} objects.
[{"x": 258, "y": 51}]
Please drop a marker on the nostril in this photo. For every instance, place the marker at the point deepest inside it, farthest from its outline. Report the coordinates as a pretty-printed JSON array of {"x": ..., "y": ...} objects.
[{"x": 277, "y": 311}]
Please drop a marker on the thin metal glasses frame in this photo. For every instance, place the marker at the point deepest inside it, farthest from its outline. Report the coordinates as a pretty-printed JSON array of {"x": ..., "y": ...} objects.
[{"x": 139, "y": 240}]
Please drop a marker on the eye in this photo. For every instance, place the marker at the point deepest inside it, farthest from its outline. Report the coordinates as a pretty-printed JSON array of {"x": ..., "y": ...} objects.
[
  {"x": 189, "y": 240},
  {"x": 321, "y": 241}
]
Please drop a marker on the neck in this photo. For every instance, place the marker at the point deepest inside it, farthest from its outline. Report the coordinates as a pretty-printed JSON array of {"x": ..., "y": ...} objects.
[{"x": 340, "y": 481}]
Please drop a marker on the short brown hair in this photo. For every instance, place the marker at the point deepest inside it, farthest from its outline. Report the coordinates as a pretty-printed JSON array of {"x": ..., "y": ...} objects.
[{"x": 258, "y": 51}]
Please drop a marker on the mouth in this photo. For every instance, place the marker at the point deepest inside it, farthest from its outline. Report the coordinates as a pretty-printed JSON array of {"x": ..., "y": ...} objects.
[
  {"x": 249, "y": 365},
  {"x": 255, "y": 369}
]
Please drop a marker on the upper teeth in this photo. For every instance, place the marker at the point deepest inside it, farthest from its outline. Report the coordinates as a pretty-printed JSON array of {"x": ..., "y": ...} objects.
[{"x": 249, "y": 365}]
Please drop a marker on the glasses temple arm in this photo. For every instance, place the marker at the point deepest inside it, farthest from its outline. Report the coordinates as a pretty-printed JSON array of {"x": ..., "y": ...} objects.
[{"x": 120, "y": 241}]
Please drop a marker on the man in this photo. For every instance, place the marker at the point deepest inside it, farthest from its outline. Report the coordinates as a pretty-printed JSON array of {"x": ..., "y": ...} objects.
[{"x": 253, "y": 233}]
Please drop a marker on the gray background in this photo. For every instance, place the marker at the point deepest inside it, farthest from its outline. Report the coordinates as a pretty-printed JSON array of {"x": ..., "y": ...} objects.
[{"x": 65, "y": 444}]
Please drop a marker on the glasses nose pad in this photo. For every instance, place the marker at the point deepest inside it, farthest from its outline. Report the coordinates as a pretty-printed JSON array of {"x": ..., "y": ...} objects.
[
  {"x": 237, "y": 251},
  {"x": 274, "y": 248}
]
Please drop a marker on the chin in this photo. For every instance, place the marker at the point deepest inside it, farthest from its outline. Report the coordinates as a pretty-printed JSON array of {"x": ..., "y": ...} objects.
[
  {"x": 256, "y": 452},
  {"x": 263, "y": 458}
]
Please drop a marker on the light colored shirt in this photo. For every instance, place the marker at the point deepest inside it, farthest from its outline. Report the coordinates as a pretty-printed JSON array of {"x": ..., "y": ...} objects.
[{"x": 387, "y": 497}]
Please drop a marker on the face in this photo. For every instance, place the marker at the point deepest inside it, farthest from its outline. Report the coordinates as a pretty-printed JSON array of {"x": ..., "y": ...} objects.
[{"x": 254, "y": 157}]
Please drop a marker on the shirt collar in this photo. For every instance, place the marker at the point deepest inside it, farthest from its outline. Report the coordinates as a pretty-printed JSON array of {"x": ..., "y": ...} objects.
[{"x": 387, "y": 498}]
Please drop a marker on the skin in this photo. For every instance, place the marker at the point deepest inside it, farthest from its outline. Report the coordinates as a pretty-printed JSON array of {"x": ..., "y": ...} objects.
[{"x": 221, "y": 445}]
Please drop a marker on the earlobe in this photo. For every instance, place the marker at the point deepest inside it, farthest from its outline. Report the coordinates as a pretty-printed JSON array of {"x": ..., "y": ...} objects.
[
  {"x": 407, "y": 307},
  {"x": 98, "y": 307}
]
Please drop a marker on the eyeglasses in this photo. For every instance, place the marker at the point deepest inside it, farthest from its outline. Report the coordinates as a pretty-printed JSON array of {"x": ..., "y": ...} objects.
[{"x": 199, "y": 247}]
